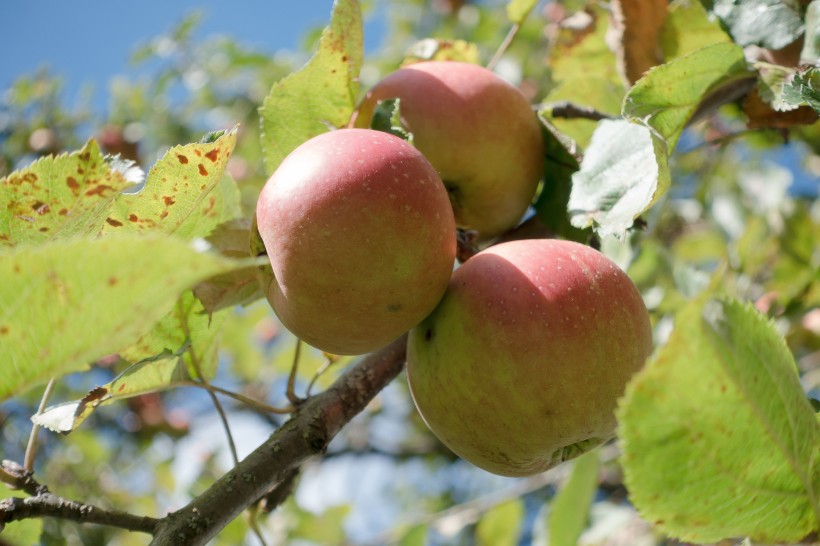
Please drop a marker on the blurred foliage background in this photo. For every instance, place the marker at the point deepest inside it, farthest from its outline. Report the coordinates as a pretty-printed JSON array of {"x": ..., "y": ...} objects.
[{"x": 743, "y": 212}]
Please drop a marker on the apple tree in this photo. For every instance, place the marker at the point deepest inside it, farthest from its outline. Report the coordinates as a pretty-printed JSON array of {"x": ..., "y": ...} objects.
[{"x": 573, "y": 296}]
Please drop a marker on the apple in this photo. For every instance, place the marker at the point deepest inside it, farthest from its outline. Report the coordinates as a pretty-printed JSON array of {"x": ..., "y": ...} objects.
[
  {"x": 361, "y": 239},
  {"x": 521, "y": 364},
  {"x": 477, "y": 130}
]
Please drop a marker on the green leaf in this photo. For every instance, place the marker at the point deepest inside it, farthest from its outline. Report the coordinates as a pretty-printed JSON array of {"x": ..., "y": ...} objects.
[
  {"x": 668, "y": 96},
  {"x": 569, "y": 511},
  {"x": 501, "y": 524},
  {"x": 66, "y": 303},
  {"x": 180, "y": 346},
  {"x": 688, "y": 28},
  {"x": 804, "y": 89},
  {"x": 718, "y": 438},
  {"x": 772, "y": 24},
  {"x": 61, "y": 197},
  {"x": 593, "y": 92},
  {"x": 322, "y": 94},
  {"x": 586, "y": 72},
  {"x": 187, "y": 326},
  {"x": 559, "y": 166},
  {"x": 624, "y": 171},
  {"x": 20, "y": 533},
  {"x": 149, "y": 375},
  {"x": 387, "y": 118},
  {"x": 185, "y": 194},
  {"x": 517, "y": 10}
]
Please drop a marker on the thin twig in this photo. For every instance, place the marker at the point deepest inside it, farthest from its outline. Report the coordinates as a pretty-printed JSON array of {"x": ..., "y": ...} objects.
[
  {"x": 331, "y": 360},
  {"x": 291, "y": 390},
  {"x": 305, "y": 435},
  {"x": 50, "y": 505},
  {"x": 43, "y": 503},
  {"x": 31, "y": 448},
  {"x": 569, "y": 110},
  {"x": 254, "y": 403},
  {"x": 254, "y": 525},
  {"x": 504, "y": 46},
  {"x": 219, "y": 409}
]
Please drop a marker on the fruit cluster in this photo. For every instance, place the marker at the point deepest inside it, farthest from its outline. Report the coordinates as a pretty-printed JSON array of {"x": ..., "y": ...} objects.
[{"x": 516, "y": 359}]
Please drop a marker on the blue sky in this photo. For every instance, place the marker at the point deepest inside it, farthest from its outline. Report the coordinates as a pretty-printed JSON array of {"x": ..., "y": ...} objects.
[{"x": 90, "y": 41}]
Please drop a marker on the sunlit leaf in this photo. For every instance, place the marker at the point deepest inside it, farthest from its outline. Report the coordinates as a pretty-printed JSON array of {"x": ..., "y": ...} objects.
[
  {"x": 187, "y": 325},
  {"x": 700, "y": 476},
  {"x": 688, "y": 28},
  {"x": 185, "y": 194},
  {"x": 322, "y": 94},
  {"x": 65, "y": 304},
  {"x": 569, "y": 510},
  {"x": 180, "y": 348},
  {"x": 61, "y": 197},
  {"x": 669, "y": 95},
  {"x": 768, "y": 23},
  {"x": 501, "y": 524},
  {"x": 623, "y": 173}
]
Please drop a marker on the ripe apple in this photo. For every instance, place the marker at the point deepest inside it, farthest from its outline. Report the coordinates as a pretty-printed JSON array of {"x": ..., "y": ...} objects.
[
  {"x": 477, "y": 130},
  {"x": 521, "y": 364},
  {"x": 361, "y": 239}
]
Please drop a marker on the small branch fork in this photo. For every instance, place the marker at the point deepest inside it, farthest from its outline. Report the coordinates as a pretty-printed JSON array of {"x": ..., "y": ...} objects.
[
  {"x": 43, "y": 503},
  {"x": 266, "y": 474}
]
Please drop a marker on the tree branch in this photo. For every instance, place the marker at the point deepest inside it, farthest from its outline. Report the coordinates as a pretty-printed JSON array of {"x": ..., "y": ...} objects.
[
  {"x": 305, "y": 435},
  {"x": 49, "y": 505},
  {"x": 45, "y": 504}
]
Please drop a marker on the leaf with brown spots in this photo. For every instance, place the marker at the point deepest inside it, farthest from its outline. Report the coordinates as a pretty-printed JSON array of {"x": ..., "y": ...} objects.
[
  {"x": 638, "y": 24},
  {"x": 320, "y": 95},
  {"x": 59, "y": 309},
  {"x": 187, "y": 193},
  {"x": 60, "y": 197}
]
